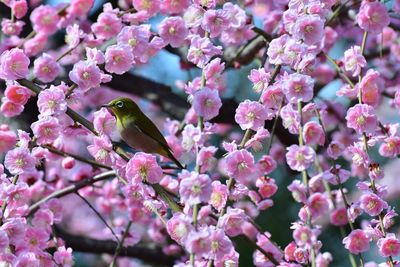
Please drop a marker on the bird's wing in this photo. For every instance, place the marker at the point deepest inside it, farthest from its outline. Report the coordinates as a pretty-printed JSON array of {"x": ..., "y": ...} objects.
[{"x": 150, "y": 129}]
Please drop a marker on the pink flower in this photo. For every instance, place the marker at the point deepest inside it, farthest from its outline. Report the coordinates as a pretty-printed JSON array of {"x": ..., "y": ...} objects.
[
  {"x": 104, "y": 122},
  {"x": 362, "y": 118},
  {"x": 101, "y": 150},
  {"x": 4, "y": 241},
  {"x": 259, "y": 259},
  {"x": 356, "y": 242},
  {"x": 266, "y": 187},
  {"x": 290, "y": 119},
  {"x": 260, "y": 79},
  {"x": 213, "y": 72},
  {"x": 46, "y": 130},
  {"x": 372, "y": 86},
  {"x": 199, "y": 242},
  {"x": 8, "y": 138},
  {"x": 119, "y": 59},
  {"x": 338, "y": 217},
  {"x": 80, "y": 7},
  {"x": 359, "y": 156},
  {"x": 137, "y": 37},
  {"x": 267, "y": 164},
  {"x": 17, "y": 94},
  {"x": 221, "y": 245},
  {"x": 143, "y": 167},
  {"x": 10, "y": 27},
  {"x": 178, "y": 227},
  {"x": 52, "y": 101},
  {"x": 20, "y": 8},
  {"x": 240, "y": 165},
  {"x": 313, "y": 133},
  {"x": 195, "y": 189},
  {"x": 354, "y": 61},
  {"x": 252, "y": 115},
  {"x": 219, "y": 195},
  {"x": 255, "y": 142},
  {"x": 300, "y": 158},
  {"x": 63, "y": 257},
  {"x": 86, "y": 75},
  {"x": 390, "y": 147},
  {"x": 373, "y": 17},
  {"x": 298, "y": 87},
  {"x": 215, "y": 21},
  {"x": 150, "y": 6},
  {"x": 206, "y": 103},
  {"x": 389, "y": 246},
  {"x": 205, "y": 158},
  {"x": 201, "y": 50},
  {"x": 44, "y": 19},
  {"x": 73, "y": 36},
  {"x": 173, "y": 30},
  {"x": 233, "y": 220},
  {"x": 108, "y": 25},
  {"x": 372, "y": 204},
  {"x": 173, "y": 6},
  {"x": 35, "y": 45},
  {"x": 46, "y": 68},
  {"x": 14, "y": 64},
  {"x": 318, "y": 204},
  {"x": 19, "y": 160},
  {"x": 10, "y": 109},
  {"x": 309, "y": 28},
  {"x": 336, "y": 175}
]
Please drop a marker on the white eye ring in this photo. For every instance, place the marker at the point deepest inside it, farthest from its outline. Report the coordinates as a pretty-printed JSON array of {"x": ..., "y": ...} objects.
[{"x": 119, "y": 104}]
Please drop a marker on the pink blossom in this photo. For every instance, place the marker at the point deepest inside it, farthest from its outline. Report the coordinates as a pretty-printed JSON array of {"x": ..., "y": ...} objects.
[
  {"x": 17, "y": 94},
  {"x": 108, "y": 25},
  {"x": 390, "y": 147},
  {"x": 151, "y": 7},
  {"x": 255, "y": 142},
  {"x": 240, "y": 165},
  {"x": 80, "y": 7},
  {"x": 19, "y": 160},
  {"x": 318, "y": 204},
  {"x": 143, "y": 166},
  {"x": 205, "y": 158},
  {"x": 4, "y": 241},
  {"x": 173, "y": 30},
  {"x": 206, "y": 103},
  {"x": 221, "y": 245},
  {"x": 336, "y": 175},
  {"x": 95, "y": 55},
  {"x": 267, "y": 164},
  {"x": 260, "y": 79},
  {"x": 46, "y": 130},
  {"x": 19, "y": 8},
  {"x": 199, "y": 242},
  {"x": 335, "y": 149},
  {"x": 10, "y": 27},
  {"x": 178, "y": 227},
  {"x": 137, "y": 37},
  {"x": 358, "y": 154},
  {"x": 10, "y": 109},
  {"x": 372, "y": 204},
  {"x": 300, "y": 158},
  {"x": 14, "y": 64},
  {"x": 373, "y": 17},
  {"x": 104, "y": 122},
  {"x": 362, "y": 118},
  {"x": 389, "y": 246},
  {"x": 232, "y": 221},
  {"x": 313, "y": 133},
  {"x": 219, "y": 195},
  {"x": 259, "y": 259},
  {"x": 371, "y": 86},
  {"x": 338, "y": 217},
  {"x": 201, "y": 50},
  {"x": 298, "y": 87},
  {"x": 63, "y": 256},
  {"x": 215, "y": 21},
  {"x": 26, "y": 259},
  {"x": 290, "y": 119},
  {"x": 74, "y": 35},
  {"x": 173, "y": 6},
  {"x": 213, "y": 73},
  {"x": 195, "y": 189},
  {"x": 44, "y": 19},
  {"x": 356, "y": 242},
  {"x": 86, "y": 75},
  {"x": 251, "y": 115},
  {"x": 46, "y": 68},
  {"x": 354, "y": 61},
  {"x": 101, "y": 150},
  {"x": 8, "y": 138},
  {"x": 52, "y": 101},
  {"x": 309, "y": 28},
  {"x": 298, "y": 191},
  {"x": 34, "y": 46},
  {"x": 119, "y": 59},
  {"x": 191, "y": 137}
]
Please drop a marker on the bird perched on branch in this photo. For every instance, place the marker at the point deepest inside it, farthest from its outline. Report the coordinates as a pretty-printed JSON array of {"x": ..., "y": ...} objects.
[{"x": 137, "y": 130}]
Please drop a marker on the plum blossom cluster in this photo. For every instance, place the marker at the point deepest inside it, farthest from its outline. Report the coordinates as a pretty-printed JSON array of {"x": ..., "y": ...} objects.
[{"x": 68, "y": 162}]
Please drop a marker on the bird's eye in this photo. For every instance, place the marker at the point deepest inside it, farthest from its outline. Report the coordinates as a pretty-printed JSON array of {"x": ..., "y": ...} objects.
[{"x": 119, "y": 104}]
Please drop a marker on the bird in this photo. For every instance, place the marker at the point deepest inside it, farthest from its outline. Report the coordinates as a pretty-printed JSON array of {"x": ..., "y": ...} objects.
[{"x": 137, "y": 130}]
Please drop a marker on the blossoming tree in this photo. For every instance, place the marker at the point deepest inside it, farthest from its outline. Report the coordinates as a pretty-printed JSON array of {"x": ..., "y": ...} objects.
[{"x": 69, "y": 185}]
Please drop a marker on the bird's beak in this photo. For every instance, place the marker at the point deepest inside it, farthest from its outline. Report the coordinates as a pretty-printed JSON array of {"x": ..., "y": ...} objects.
[{"x": 105, "y": 106}]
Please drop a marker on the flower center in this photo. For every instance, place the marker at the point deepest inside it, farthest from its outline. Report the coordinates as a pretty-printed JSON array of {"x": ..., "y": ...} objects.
[
  {"x": 196, "y": 188},
  {"x": 309, "y": 28},
  {"x": 172, "y": 30},
  {"x": 361, "y": 120},
  {"x": 208, "y": 103},
  {"x": 298, "y": 88},
  {"x": 143, "y": 172},
  {"x": 51, "y": 104},
  {"x": 214, "y": 245},
  {"x": 250, "y": 116},
  {"x": 132, "y": 42},
  {"x": 242, "y": 166},
  {"x": 20, "y": 163},
  {"x": 46, "y": 69},
  {"x": 85, "y": 75}
]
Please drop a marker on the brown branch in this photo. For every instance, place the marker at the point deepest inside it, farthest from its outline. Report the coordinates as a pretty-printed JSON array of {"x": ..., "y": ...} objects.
[{"x": 79, "y": 243}]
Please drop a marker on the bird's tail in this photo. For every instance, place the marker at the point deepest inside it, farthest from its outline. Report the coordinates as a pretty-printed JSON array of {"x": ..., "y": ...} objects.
[{"x": 172, "y": 157}]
